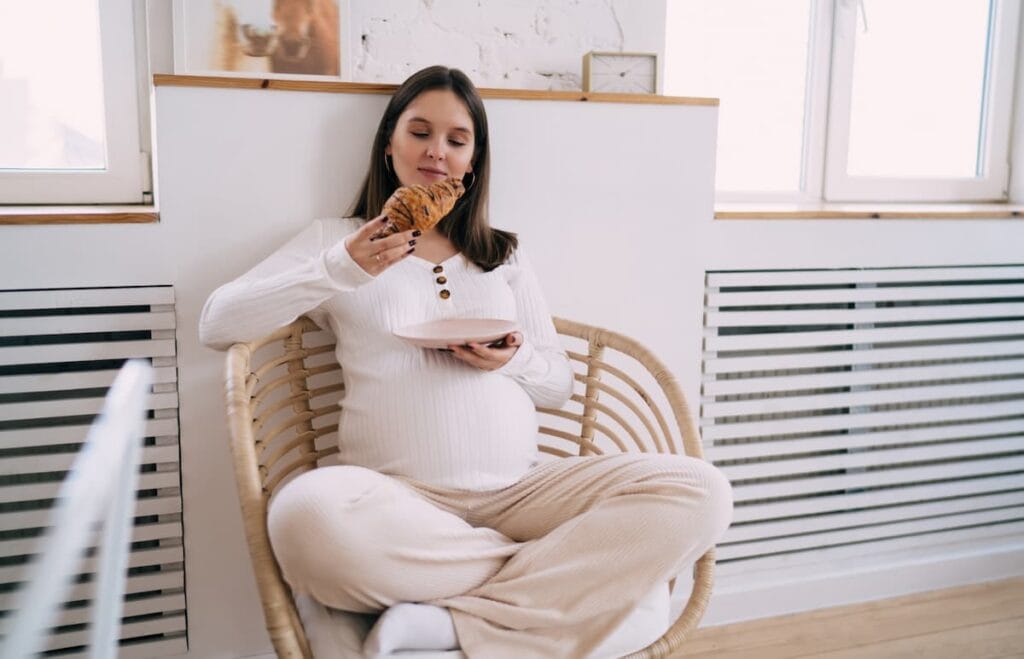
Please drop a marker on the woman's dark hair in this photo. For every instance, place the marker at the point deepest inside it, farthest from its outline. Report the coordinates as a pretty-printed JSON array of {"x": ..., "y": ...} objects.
[{"x": 467, "y": 225}]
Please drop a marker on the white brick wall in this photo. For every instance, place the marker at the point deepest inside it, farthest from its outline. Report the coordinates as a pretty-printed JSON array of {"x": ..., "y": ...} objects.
[{"x": 525, "y": 44}]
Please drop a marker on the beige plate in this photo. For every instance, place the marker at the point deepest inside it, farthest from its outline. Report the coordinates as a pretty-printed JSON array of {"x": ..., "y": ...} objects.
[{"x": 456, "y": 331}]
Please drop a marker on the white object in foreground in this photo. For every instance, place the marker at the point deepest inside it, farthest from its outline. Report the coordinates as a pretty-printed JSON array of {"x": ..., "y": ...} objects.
[{"x": 100, "y": 487}]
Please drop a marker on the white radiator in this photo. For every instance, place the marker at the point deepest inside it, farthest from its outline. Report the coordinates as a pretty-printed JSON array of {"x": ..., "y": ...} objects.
[
  {"x": 864, "y": 410},
  {"x": 59, "y": 352}
]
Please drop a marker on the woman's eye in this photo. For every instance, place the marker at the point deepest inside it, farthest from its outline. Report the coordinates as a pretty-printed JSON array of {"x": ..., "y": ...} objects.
[
  {"x": 420, "y": 135},
  {"x": 456, "y": 143}
]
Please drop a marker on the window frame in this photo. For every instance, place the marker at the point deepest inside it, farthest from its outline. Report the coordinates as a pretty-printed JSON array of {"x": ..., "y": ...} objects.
[
  {"x": 816, "y": 88},
  {"x": 126, "y": 180},
  {"x": 991, "y": 184},
  {"x": 829, "y": 81}
]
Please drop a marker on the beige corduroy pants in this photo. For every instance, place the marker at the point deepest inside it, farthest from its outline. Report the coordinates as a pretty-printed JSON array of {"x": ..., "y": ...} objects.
[{"x": 545, "y": 568}]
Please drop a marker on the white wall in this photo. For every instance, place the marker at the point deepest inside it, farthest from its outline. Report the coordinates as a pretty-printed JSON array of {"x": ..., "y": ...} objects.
[
  {"x": 586, "y": 210},
  {"x": 525, "y": 44}
]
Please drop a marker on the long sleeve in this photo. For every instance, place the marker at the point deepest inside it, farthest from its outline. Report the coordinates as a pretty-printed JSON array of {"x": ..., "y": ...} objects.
[
  {"x": 292, "y": 281},
  {"x": 540, "y": 365}
]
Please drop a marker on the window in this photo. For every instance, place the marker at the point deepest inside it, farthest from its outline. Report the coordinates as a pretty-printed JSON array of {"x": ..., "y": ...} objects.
[
  {"x": 69, "y": 127},
  {"x": 852, "y": 100}
]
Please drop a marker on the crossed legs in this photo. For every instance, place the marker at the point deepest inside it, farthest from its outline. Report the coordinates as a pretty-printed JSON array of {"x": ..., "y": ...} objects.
[{"x": 546, "y": 567}]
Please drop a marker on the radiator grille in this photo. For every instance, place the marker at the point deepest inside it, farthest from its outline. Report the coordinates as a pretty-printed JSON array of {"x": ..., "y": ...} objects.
[
  {"x": 865, "y": 406},
  {"x": 59, "y": 352}
]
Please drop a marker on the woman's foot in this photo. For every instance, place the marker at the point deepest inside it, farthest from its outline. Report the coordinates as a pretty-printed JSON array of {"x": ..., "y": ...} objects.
[{"x": 411, "y": 627}]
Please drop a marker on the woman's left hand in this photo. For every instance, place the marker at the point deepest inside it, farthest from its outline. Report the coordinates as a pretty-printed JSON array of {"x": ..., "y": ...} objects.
[{"x": 488, "y": 357}]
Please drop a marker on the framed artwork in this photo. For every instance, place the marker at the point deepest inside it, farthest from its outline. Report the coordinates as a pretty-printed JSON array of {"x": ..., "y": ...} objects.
[{"x": 261, "y": 38}]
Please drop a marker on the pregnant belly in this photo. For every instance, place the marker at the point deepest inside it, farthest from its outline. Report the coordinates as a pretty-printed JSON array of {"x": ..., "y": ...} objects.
[{"x": 463, "y": 429}]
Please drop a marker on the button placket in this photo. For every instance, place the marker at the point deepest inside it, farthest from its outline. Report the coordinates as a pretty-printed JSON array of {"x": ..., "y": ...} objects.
[{"x": 442, "y": 280}]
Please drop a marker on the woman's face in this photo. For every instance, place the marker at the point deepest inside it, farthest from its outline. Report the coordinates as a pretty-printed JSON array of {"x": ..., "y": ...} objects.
[{"x": 433, "y": 139}]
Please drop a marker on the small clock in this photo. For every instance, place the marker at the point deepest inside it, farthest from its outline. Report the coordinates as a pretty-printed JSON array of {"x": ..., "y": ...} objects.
[{"x": 628, "y": 73}]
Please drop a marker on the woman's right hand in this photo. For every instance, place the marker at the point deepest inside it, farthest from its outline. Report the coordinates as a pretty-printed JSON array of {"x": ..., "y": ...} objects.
[{"x": 375, "y": 254}]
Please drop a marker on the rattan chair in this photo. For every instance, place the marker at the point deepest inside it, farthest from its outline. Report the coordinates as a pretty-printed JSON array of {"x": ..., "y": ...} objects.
[{"x": 282, "y": 393}]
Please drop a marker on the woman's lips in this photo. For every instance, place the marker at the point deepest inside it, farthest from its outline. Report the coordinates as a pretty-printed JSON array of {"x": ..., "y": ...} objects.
[{"x": 429, "y": 173}]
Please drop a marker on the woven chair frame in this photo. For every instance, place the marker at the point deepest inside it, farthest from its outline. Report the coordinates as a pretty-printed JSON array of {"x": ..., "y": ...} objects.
[{"x": 267, "y": 452}]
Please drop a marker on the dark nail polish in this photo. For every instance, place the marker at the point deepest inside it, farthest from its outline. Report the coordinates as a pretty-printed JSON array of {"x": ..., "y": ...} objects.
[
  {"x": 411, "y": 250},
  {"x": 374, "y": 238},
  {"x": 417, "y": 233},
  {"x": 412, "y": 242}
]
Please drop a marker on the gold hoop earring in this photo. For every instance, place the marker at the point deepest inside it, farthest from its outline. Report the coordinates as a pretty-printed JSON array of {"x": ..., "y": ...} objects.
[{"x": 471, "y": 182}]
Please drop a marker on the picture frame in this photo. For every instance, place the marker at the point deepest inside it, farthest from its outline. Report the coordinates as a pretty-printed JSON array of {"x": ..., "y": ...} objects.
[
  {"x": 239, "y": 38},
  {"x": 620, "y": 72}
]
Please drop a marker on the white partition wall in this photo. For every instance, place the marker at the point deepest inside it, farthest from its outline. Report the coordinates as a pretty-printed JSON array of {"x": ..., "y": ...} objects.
[
  {"x": 583, "y": 183},
  {"x": 614, "y": 203}
]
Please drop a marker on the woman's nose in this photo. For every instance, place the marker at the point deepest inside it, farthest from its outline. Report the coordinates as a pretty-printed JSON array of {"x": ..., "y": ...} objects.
[{"x": 435, "y": 151}]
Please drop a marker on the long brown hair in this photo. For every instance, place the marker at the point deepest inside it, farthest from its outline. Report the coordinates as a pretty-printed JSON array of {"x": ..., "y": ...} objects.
[{"x": 467, "y": 225}]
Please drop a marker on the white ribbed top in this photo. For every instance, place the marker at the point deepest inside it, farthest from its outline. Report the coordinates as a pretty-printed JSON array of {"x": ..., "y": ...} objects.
[{"x": 409, "y": 411}]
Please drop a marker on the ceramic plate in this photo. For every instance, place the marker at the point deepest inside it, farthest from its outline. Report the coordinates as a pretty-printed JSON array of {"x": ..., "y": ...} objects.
[{"x": 456, "y": 331}]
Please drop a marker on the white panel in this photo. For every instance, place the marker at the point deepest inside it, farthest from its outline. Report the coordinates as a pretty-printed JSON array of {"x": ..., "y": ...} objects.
[
  {"x": 81, "y": 352},
  {"x": 138, "y": 583},
  {"x": 865, "y": 315},
  {"x": 860, "y": 420},
  {"x": 86, "y": 297},
  {"x": 33, "y": 437},
  {"x": 154, "y": 604},
  {"x": 862, "y": 377},
  {"x": 866, "y": 479},
  {"x": 780, "y": 447},
  {"x": 846, "y": 519},
  {"x": 82, "y": 324},
  {"x": 868, "y": 533},
  {"x": 866, "y": 356},
  {"x": 42, "y": 399},
  {"x": 145, "y": 650},
  {"x": 879, "y": 458},
  {"x": 71, "y": 380},
  {"x": 868, "y": 275},
  {"x": 153, "y": 480},
  {"x": 36, "y": 518},
  {"x": 872, "y": 397},
  {"x": 775, "y": 340},
  {"x": 888, "y": 449},
  {"x": 140, "y": 533},
  {"x": 136, "y": 558},
  {"x": 49, "y": 462},
  {"x": 823, "y": 505},
  {"x": 75, "y": 407},
  {"x": 165, "y": 625},
  {"x": 851, "y": 295}
]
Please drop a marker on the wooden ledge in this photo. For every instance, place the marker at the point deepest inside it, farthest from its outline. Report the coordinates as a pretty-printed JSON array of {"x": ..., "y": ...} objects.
[
  {"x": 19, "y": 215},
  {"x": 337, "y": 87},
  {"x": 907, "y": 211}
]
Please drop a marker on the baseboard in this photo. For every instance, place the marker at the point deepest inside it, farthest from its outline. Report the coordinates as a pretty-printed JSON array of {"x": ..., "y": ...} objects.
[{"x": 740, "y": 597}]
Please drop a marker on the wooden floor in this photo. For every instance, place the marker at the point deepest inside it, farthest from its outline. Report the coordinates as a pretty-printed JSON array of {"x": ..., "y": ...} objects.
[{"x": 983, "y": 621}]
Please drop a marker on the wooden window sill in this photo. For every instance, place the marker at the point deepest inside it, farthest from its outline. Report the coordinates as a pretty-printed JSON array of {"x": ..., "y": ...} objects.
[
  {"x": 129, "y": 214},
  {"x": 835, "y": 211}
]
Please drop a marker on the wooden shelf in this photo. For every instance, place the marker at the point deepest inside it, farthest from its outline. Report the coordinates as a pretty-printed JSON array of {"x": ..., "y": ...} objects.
[
  {"x": 165, "y": 80},
  {"x": 14, "y": 215},
  {"x": 773, "y": 211}
]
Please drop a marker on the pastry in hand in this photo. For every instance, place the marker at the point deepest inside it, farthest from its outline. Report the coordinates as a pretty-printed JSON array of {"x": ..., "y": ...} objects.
[{"x": 421, "y": 206}]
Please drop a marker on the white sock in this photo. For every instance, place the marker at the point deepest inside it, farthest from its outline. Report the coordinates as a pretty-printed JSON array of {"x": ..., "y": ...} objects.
[{"x": 411, "y": 627}]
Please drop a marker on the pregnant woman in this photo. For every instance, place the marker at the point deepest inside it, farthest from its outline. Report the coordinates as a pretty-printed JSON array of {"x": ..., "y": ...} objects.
[{"x": 440, "y": 513}]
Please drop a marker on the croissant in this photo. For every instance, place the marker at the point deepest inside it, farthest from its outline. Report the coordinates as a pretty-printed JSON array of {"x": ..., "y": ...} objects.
[{"x": 421, "y": 206}]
